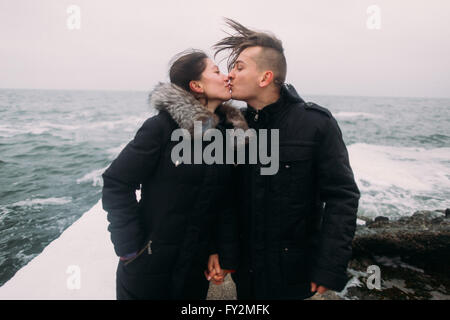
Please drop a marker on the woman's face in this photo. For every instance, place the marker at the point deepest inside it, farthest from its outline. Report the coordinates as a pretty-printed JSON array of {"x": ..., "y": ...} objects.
[{"x": 214, "y": 83}]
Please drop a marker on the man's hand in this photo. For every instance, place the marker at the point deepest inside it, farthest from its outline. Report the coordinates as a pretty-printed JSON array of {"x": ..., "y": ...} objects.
[
  {"x": 214, "y": 272},
  {"x": 320, "y": 289}
]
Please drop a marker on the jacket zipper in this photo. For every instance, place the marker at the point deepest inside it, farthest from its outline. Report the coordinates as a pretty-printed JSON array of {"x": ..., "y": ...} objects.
[{"x": 150, "y": 247}]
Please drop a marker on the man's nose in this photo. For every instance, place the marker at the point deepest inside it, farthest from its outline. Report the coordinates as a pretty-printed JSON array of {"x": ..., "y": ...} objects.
[{"x": 231, "y": 75}]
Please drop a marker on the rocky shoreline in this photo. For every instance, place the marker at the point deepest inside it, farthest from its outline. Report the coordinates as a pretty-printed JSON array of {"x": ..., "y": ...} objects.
[{"x": 412, "y": 255}]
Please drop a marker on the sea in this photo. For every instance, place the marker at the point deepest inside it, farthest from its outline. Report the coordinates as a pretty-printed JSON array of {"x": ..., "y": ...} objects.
[{"x": 55, "y": 145}]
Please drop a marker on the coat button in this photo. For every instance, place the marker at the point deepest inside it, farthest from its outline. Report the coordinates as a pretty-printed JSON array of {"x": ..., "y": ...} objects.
[
  {"x": 287, "y": 166},
  {"x": 286, "y": 249},
  {"x": 250, "y": 270}
]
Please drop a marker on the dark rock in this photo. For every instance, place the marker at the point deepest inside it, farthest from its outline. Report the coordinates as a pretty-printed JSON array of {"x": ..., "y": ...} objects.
[
  {"x": 421, "y": 239},
  {"x": 381, "y": 218},
  {"x": 437, "y": 220},
  {"x": 447, "y": 213},
  {"x": 415, "y": 256}
]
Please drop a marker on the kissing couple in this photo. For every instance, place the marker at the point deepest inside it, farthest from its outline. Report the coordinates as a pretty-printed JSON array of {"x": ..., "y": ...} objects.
[{"x": 282, "y": 236}]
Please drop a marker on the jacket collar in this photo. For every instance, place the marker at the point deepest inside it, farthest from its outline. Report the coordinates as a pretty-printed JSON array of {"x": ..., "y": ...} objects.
[
  {"x": 185, "y": 109},
  {"x": 287, "y": 94},
  {"x": 290, "y": 93}
]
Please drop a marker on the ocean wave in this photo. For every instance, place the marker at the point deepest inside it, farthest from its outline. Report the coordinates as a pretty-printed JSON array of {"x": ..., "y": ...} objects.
[
  {"x": 366, "y": 115},
  {"x": 129, "y": 122},
  {"x": 432, "y": 138},
  {"x": 36, "y": 128},
  {"x": 8, "y": 132},
  {"x": 404, "y": 167},
  {"x": 94, "y": 176},
  {"x": 114, "y": 152},
  {"x": 41, "y": 202},
  {"x": 396, "y": 181}
]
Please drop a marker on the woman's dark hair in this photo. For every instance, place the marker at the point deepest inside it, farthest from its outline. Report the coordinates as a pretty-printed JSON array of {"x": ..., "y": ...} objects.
[{"x": 187, "y": 66}]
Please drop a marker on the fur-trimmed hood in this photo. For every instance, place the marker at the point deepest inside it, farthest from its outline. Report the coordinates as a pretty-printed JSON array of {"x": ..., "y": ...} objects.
[{"x": 185, "y": 109}]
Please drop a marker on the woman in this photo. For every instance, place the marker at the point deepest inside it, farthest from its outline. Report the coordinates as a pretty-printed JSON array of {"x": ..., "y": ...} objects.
[{"x": 185, "y": 212}]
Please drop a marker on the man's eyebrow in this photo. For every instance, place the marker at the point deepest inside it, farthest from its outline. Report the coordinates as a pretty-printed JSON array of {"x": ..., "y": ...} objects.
[{"x": 239, "y": 61}]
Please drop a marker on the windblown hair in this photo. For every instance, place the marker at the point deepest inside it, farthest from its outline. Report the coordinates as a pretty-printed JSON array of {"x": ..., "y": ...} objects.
[{"x": 271, "y": 56}]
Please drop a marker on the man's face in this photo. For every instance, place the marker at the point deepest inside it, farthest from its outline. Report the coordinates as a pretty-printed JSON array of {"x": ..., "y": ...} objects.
[{"x": 245, "y": 76}]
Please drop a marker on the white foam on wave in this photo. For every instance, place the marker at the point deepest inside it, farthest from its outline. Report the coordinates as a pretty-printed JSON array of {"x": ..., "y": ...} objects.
[
  {"x": 345, "y": 114},
  {"x": 8, "y": 132},
  {"x": 407, "y": 168},
  {"x": 400, "y": 180},
  {"x": 128, "y": 124},
  {"x": 64, "y": 127},
  {"x": 114, "y": 152},
  {"x": 42, "y": 202},
  {"x": 94, "y": 176}
]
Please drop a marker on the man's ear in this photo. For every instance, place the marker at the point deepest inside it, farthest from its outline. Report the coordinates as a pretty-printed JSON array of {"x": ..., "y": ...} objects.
[
  {"x": 266, "y": 79},
  {"x": 196, "y": 86}
]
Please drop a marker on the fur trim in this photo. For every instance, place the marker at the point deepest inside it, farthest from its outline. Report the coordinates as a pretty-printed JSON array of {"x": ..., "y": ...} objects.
[
  {"x": 185, "y": 109},
  {"x": 233, "y": 116}
]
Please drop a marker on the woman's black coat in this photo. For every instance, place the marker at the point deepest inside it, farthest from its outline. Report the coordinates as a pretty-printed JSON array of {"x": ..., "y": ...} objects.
[{"x": 185, "y": 210}]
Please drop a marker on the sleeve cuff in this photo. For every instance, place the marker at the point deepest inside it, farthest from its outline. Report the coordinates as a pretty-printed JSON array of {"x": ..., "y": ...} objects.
[{"x": 329, "y": 280}]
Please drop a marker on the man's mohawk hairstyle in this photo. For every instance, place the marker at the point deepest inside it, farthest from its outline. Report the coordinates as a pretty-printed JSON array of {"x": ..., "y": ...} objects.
[{"x": 244, "y": 38}]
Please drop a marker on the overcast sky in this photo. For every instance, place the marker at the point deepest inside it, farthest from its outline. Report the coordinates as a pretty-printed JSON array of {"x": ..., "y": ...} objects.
[{"x": 127, "y": 45}]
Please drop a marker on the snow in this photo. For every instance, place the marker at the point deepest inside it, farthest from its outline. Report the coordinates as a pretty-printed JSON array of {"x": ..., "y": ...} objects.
[
  {"x": 80, "y": 264},
  {"x": 360, "y": 222}
]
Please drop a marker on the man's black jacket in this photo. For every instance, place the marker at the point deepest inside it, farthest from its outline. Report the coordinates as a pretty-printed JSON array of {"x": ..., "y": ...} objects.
[{"x": 296, "y": 226}]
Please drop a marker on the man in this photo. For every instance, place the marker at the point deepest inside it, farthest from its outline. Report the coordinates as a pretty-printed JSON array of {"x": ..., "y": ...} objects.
[{"x": 295, "y": 227}]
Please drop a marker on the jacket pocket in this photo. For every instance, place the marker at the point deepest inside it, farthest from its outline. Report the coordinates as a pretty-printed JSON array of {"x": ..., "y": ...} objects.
[
  {"x": 147, "y": 249},
  {"x": 294, "y": 265},
  {"x": 296, "y": 159},
  {"x": 296, "y": 172}
]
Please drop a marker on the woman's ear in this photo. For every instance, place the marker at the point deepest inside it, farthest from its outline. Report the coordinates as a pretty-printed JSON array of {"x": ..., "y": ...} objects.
[{"x": 196, "y": 86}]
